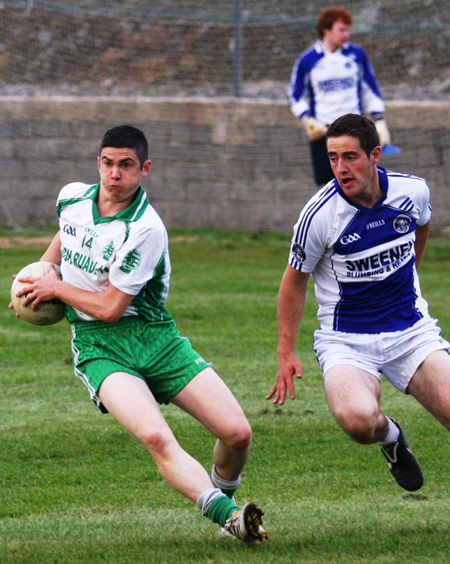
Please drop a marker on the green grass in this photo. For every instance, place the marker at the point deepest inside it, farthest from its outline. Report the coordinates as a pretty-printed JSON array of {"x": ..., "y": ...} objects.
[{"x": 77, "y": 489}]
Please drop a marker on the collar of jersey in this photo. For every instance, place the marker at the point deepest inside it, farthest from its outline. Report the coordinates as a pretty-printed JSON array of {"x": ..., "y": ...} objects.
[
  {"x": 382, "y": 175},
  {"x": 320, "y": 48},
  {"x": 132, "y": 213}
]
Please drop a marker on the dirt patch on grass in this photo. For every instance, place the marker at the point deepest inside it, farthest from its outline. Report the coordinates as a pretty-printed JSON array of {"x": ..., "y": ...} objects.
[
  {"x": 21, "y": 241},
  {"x": 10, "y": 242}
]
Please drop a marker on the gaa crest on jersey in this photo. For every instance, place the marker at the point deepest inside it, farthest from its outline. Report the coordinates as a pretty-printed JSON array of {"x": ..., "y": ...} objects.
[
  {"x": 350, "y": 238},
  {"x": 402, "y": 223},
  {"x": 298, "y": 252},
  {"x": 131, "y": 261}
]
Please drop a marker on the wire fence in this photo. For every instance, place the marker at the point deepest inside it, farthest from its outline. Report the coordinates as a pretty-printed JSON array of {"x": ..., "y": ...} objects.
[
  {"x": 235, "y": 157},
  {"x": 209, "y": 48}
]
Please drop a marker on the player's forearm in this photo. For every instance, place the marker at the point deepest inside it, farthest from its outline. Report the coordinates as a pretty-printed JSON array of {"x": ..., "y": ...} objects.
[
  {"x": 291, "y": 303},
  {"x": 107, "y": 306},
  {"x": 289, "y": 317},
  {"x": 53, "y": 252}
]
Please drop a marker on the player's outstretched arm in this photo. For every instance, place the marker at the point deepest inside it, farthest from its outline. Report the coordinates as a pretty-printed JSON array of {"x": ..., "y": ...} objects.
[{"x": 291, "y": 303}]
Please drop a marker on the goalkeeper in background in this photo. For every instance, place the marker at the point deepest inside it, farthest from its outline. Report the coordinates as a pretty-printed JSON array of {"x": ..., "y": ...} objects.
[{"x": 330, "y": 79}]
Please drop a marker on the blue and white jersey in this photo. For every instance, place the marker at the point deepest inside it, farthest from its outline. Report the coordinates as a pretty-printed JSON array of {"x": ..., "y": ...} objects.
[
  {"x": 362, "y": 259},
  {"x": 327, "y": 85}
]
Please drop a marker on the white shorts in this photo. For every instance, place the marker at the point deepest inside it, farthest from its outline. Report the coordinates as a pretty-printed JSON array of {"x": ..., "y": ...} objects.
[{"x": 397, "y": 355}]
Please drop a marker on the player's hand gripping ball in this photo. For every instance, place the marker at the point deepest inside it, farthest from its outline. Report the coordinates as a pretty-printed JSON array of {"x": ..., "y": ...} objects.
[{"x": 46, "y": 313}]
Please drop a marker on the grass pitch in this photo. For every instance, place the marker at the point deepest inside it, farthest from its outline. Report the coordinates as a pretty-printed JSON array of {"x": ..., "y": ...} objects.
[{"x": 77, "y": 489}]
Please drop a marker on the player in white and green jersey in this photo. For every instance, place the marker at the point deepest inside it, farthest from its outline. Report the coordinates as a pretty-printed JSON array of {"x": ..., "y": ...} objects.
[
  {"x": 96, "y": 252},
  {"x": 113, "y": 251}
]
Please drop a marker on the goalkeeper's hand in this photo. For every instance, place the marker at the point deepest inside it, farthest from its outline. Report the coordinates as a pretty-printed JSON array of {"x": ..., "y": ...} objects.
[
  {"x": 314, "y": 128},
  {"x": 383, "y": 132}
]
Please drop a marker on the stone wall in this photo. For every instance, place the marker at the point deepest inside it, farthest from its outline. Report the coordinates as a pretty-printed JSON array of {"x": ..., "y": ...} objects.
[{"x": 229, "y": 163}]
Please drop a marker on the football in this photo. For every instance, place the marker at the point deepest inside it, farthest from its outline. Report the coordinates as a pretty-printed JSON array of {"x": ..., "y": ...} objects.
[{"x": 46, "y": 313}]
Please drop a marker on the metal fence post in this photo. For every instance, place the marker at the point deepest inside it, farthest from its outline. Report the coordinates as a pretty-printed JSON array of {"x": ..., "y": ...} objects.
[{"x": 237, "y": 54}]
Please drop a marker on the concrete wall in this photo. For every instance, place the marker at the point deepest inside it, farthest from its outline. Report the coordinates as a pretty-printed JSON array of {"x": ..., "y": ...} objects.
[{"x": 239, "y": 164}]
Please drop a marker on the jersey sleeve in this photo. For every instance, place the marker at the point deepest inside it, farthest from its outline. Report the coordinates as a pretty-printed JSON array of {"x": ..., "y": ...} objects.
[
  {"x": 311, "y": 232},
  {"x": 72, "y": 190},
  {"x": 370, "y": 91},
  {"x": 143, "y": 256},
  {"x": 298, "y": 96},
  {"x": 301, "y": 95},
  {"x": 71, "y": 193},
  {"x": 424, "y": 204}
]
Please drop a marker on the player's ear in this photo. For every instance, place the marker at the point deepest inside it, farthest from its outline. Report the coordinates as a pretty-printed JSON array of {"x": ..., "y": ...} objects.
[
  {"x": 375, "y": 155},
  {"x": 146, "y": 168}
]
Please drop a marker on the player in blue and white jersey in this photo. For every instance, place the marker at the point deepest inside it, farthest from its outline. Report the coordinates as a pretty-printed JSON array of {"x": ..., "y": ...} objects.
[
  {"x": 330, "y": 79},
  {"x": 361, "y": 238},
  {"x": 113, "y": 251}
]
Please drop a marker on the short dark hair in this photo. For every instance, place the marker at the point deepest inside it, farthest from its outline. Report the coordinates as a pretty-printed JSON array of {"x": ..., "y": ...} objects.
[
  {"x": 129, "y": 137},
  {"x": 331, "y": 15},
  {"x": 357, "y": 126}
]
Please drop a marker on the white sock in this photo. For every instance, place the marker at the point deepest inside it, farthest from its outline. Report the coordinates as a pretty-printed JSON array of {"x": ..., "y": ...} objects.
[
  {"x": 393, "y": 433},
  {"x": 206, "y": 498},
  {"x": 223, "y": 484}
]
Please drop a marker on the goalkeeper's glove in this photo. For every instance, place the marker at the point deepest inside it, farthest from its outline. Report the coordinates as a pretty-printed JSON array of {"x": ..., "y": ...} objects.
[
  {"x": 314, "y": 128},
  {"x": 383, "y": 132}
]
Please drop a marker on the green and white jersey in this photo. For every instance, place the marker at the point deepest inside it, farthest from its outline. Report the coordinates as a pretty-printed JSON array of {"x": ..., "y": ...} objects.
[{"x": 130, "y": 250}]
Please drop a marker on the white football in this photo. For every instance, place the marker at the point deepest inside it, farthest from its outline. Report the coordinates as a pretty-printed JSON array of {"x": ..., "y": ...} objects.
[{"x": 46, "y": 313}]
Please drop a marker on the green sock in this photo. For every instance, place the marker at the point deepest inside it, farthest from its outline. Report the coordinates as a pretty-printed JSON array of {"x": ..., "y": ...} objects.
[
  {"x": 229, "y": 493},
  {"x": 221, "y": 509}
]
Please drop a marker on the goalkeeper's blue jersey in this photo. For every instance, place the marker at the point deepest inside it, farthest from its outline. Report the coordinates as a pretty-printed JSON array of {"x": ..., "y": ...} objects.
[
  {"x": 362, "y": 259},
  {"x": 327, "y": 85}
]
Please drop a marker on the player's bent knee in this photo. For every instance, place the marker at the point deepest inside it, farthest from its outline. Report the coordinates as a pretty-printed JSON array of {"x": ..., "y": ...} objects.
[
  {"x": 240, "y": 439},
  {"x": 359, "y": 428},
  {"x": 243, "y": 439},
  {"x": 156, "y": 442}
]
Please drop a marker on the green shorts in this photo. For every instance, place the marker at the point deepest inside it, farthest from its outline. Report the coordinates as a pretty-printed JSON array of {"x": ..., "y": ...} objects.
[{"x": 155, "y": 352}]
